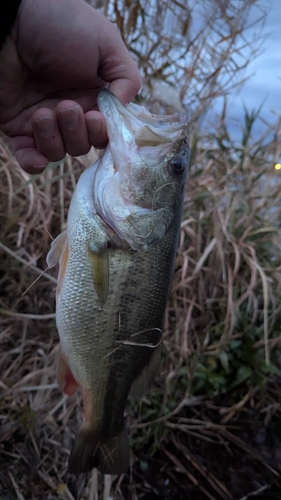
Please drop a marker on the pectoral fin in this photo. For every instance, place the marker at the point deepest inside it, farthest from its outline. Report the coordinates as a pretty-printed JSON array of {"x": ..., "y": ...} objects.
[
  {"x": 100, "y": 271},
  {"x": 53, "y": 256},
  {"x": 58, "y": 253}
]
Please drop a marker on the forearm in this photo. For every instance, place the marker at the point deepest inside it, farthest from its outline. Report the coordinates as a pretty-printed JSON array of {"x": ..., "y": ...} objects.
[{"x": 8, "y": 13}]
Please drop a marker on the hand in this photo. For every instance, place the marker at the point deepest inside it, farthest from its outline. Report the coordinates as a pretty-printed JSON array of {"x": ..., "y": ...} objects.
[{"x": 52, "y": 65}]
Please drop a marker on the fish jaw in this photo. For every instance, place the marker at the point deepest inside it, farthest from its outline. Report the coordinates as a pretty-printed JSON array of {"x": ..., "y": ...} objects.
[
  {"x": 137, "y": 138},
  {"x": 140, "y": 198},
  {"x": 138, "y": 125}
]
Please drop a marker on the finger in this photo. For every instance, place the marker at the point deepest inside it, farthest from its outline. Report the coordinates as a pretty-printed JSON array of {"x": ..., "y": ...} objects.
[
  {"x": 27, "y": 155},
  {"x": 96, "y": 129},
  {"x": 73, "y": 128},
  {"x": 47, "y": 134},
  {"x": 119, "y": 68},
  {"x": 31, "y": 161},
  {"x": 125, "y": 89}
]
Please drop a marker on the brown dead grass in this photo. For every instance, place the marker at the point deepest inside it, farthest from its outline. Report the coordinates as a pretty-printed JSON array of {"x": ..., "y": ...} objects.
[
  {"x": 229, "y": 251},
  {"x": 226, "y": 290},
  {"x": 227, "y": 282}
]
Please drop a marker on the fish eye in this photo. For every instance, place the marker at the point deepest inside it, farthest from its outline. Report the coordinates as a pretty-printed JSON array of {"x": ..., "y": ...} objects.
[{"x": 178, "y": 165}]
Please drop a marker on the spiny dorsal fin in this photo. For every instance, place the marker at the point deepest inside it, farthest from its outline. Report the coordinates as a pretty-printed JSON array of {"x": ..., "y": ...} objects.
[{"x": 99, "y": 263}]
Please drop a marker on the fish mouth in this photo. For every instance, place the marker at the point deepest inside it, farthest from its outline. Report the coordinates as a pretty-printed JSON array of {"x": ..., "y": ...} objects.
[
  {"x": 134, "y": 170},
  {"x": 135, "y": 126}
]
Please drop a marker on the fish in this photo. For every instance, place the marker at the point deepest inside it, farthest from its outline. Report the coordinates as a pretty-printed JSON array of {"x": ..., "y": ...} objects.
[{"x": 116, "y": 264}]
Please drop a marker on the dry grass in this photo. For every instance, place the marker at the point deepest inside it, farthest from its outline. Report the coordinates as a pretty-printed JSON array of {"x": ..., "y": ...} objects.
[
  {"x": 216, "y": 399},
  {"x": 225, "y": 302},
  {"x": 230, "y": 247},
  {"x": 199, "y": 49}
]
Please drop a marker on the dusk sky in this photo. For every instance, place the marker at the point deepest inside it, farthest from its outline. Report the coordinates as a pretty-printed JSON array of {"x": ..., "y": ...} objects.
[{"x": 265, "y": 84}]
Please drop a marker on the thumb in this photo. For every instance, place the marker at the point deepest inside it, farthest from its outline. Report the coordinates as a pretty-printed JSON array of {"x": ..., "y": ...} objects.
[{"x": 125, "y": 89}]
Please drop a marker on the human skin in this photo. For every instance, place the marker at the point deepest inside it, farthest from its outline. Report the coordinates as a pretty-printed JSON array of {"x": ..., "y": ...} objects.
[{"x": 57, "y": 57}]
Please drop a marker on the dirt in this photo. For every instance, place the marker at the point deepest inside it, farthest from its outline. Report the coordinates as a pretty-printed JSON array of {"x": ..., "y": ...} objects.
[{"x": 239, "y": 461}]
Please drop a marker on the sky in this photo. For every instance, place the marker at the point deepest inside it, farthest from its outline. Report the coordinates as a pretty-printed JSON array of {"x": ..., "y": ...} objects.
[{"x": 265, "y": 83}]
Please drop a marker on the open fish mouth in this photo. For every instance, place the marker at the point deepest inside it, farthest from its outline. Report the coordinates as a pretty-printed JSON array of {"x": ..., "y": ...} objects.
[
  {"x": 135, "y": 187},
  {"x": 135, "y": 124}
]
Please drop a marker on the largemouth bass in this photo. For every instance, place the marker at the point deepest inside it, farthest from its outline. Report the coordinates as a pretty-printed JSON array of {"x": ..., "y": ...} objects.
[{"x": 116, "y": 262}]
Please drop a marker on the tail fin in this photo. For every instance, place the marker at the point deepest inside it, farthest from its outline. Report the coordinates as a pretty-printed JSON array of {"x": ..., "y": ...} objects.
[
  {"x": 114, "y": 454},
  {"x": 111, "y": 456},
  {"x": 84, "y": 456}
]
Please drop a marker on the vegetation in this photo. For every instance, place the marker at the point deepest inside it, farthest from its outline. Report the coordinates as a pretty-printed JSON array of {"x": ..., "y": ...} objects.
[{"x": 210, "y": 427}]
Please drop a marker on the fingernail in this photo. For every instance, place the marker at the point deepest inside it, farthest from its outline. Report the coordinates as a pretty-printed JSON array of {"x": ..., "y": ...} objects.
[
  {"x": 69, "y": 117},
  {"x": 94, "y": 125},
  {"x": 45, "y": 125},
  {"x": 40, "y": 167}
]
